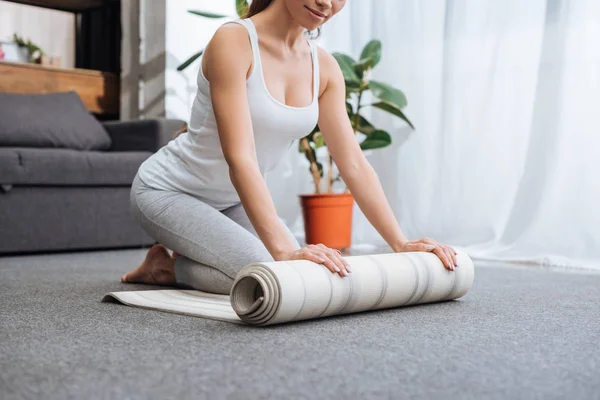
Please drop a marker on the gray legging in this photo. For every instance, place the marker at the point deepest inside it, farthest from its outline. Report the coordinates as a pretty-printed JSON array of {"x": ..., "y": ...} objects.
[{"x": 213, "y": 245}]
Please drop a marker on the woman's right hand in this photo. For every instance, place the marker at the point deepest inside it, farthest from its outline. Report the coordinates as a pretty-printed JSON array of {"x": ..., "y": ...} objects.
[{"x": 331, "y": 258}]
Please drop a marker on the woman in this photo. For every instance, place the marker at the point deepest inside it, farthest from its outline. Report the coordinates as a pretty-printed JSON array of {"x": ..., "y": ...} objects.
[{"x": 261, "y": 85}]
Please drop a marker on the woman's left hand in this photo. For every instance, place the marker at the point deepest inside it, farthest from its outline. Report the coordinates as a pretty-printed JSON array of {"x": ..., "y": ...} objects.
[{"x": 446, "y": 253}]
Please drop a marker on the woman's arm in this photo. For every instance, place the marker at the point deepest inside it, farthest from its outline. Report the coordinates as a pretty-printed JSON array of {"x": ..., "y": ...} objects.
[
  {"x": 227, "y": 61},
  {"x": 355, "y": 169}
]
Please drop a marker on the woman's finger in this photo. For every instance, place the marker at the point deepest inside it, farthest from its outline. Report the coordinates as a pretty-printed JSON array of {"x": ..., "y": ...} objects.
[
  {"x": 340, "y": 261},
  {"x": 328, "y": 262},
  {"x": 453, "y": 255},
  {"x": 450, "y": 253},
  {"x": 449, "y": 260},
  {"x": 335, "y": 257},
  {"x": 450, "y": 256},
  {"x": 439, "y": 251},
  {"x": 346, "y": 263}
]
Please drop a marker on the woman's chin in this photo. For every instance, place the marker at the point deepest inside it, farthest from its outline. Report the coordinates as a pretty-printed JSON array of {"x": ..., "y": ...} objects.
[{"x": 311, "y": 26}]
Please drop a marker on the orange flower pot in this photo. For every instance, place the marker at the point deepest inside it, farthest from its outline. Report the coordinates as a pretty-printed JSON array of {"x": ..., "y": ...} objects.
[{"x": 328, "y": 219}]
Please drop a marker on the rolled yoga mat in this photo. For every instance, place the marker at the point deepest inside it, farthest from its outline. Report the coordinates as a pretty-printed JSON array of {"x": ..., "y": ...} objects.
[{"x": 277, "y": 292}]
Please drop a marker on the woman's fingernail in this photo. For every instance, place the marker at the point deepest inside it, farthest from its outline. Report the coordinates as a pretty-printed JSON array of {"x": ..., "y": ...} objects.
[
  {"x": 348, "y": 268},
  {"x": 429, "y": 247},
  {"x": 336, "y": 268}
]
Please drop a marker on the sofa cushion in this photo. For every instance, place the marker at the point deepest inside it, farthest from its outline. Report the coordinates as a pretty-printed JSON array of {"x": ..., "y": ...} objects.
[
  {"x": 29, "y": 166},
  {"x": 49, "y": 120}
]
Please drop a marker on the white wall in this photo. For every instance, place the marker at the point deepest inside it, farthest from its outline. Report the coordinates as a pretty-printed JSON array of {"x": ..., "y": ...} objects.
[{"x": 53, "y": 31}]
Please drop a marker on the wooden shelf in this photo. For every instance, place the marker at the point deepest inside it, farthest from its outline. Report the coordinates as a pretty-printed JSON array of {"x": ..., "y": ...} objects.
[
  {"x": 66, "y": 5},
  {"x": 99, "y": 91}
]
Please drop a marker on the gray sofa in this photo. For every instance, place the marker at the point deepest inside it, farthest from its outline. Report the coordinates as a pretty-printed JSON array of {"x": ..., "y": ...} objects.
[{"x": 65, "y": 178}]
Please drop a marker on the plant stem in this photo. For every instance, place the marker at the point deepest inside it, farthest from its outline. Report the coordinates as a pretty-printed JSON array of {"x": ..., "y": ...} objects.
[
  {"x": 356, "y": 114},
  {"x": 313, "y": 164},
  {"x": 330, "y": 176}
]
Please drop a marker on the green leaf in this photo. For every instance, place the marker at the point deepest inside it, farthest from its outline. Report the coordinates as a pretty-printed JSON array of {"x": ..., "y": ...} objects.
[
  {"x": 206, "y": 14},
  {"x": 318, "y": 140},
  {"x": 365, "y": 126},
  {"x": 352, "y": 87},
  {"x": 362, "y": 65},
  {"x": 388, "y": 94},
  {"x": 376, "y": 140},
  {"x": 349, "y": 108},
  {"x": 371, "y": 54},
  {"x": 346, "y": 64},
  {"x": 393, "y": 110},
  {"x": 241, "y": 6},
  {"x": 190, "y": 60}
]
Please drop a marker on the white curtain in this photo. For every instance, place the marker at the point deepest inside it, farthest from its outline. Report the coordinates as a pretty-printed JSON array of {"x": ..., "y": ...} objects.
[{"x": 504, "y": 95}]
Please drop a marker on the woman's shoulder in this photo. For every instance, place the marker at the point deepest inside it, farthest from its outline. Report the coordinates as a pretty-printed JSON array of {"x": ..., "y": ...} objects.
[
  {"x": 325, "y": 58},
  {"x": 231, "y": 34},
  {"x": 327, "y": 63},
  {"x": 329, "y": 69},
  {"x": 229, "y": 51}
]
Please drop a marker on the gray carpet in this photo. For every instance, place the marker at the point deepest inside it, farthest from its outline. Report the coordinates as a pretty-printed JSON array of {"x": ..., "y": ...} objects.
[{"x": 522, "y": 332}]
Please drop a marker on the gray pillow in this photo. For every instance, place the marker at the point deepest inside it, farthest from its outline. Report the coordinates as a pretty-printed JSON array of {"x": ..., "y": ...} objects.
[{"x": 49, "y": 120}]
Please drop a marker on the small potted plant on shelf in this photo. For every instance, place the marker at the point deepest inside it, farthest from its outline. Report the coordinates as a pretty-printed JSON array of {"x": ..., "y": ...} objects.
[
  {"x": 328, "y": 215},
  {"x": 31, "y": 52}
]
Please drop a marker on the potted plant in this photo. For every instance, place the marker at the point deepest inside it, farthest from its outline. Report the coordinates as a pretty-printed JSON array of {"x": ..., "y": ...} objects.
[
  {"x": 328, "y": 215},
  {"x": 31, "y": 51}
]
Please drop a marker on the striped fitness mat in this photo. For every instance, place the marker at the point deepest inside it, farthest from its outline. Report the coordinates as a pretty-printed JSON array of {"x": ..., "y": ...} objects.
[{"x": 284, "y": 291}]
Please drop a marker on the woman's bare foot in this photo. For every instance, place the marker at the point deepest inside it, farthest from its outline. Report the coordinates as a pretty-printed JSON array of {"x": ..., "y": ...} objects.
[{"x": 157, "y": 269}]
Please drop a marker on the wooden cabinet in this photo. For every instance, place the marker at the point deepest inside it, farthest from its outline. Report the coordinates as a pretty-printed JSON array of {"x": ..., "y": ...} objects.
[{"x": 99, "y": 91}]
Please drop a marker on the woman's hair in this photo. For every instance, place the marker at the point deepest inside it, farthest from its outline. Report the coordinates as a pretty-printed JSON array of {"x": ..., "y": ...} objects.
[{"x": 257, "y": 6}]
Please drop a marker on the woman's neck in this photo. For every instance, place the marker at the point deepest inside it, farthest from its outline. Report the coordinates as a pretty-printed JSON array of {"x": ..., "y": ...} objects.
[{"x": 276, "y": 22}]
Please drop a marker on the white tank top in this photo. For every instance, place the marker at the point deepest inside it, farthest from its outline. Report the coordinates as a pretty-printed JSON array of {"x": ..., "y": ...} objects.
[{"x": 194, "y": 163}]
